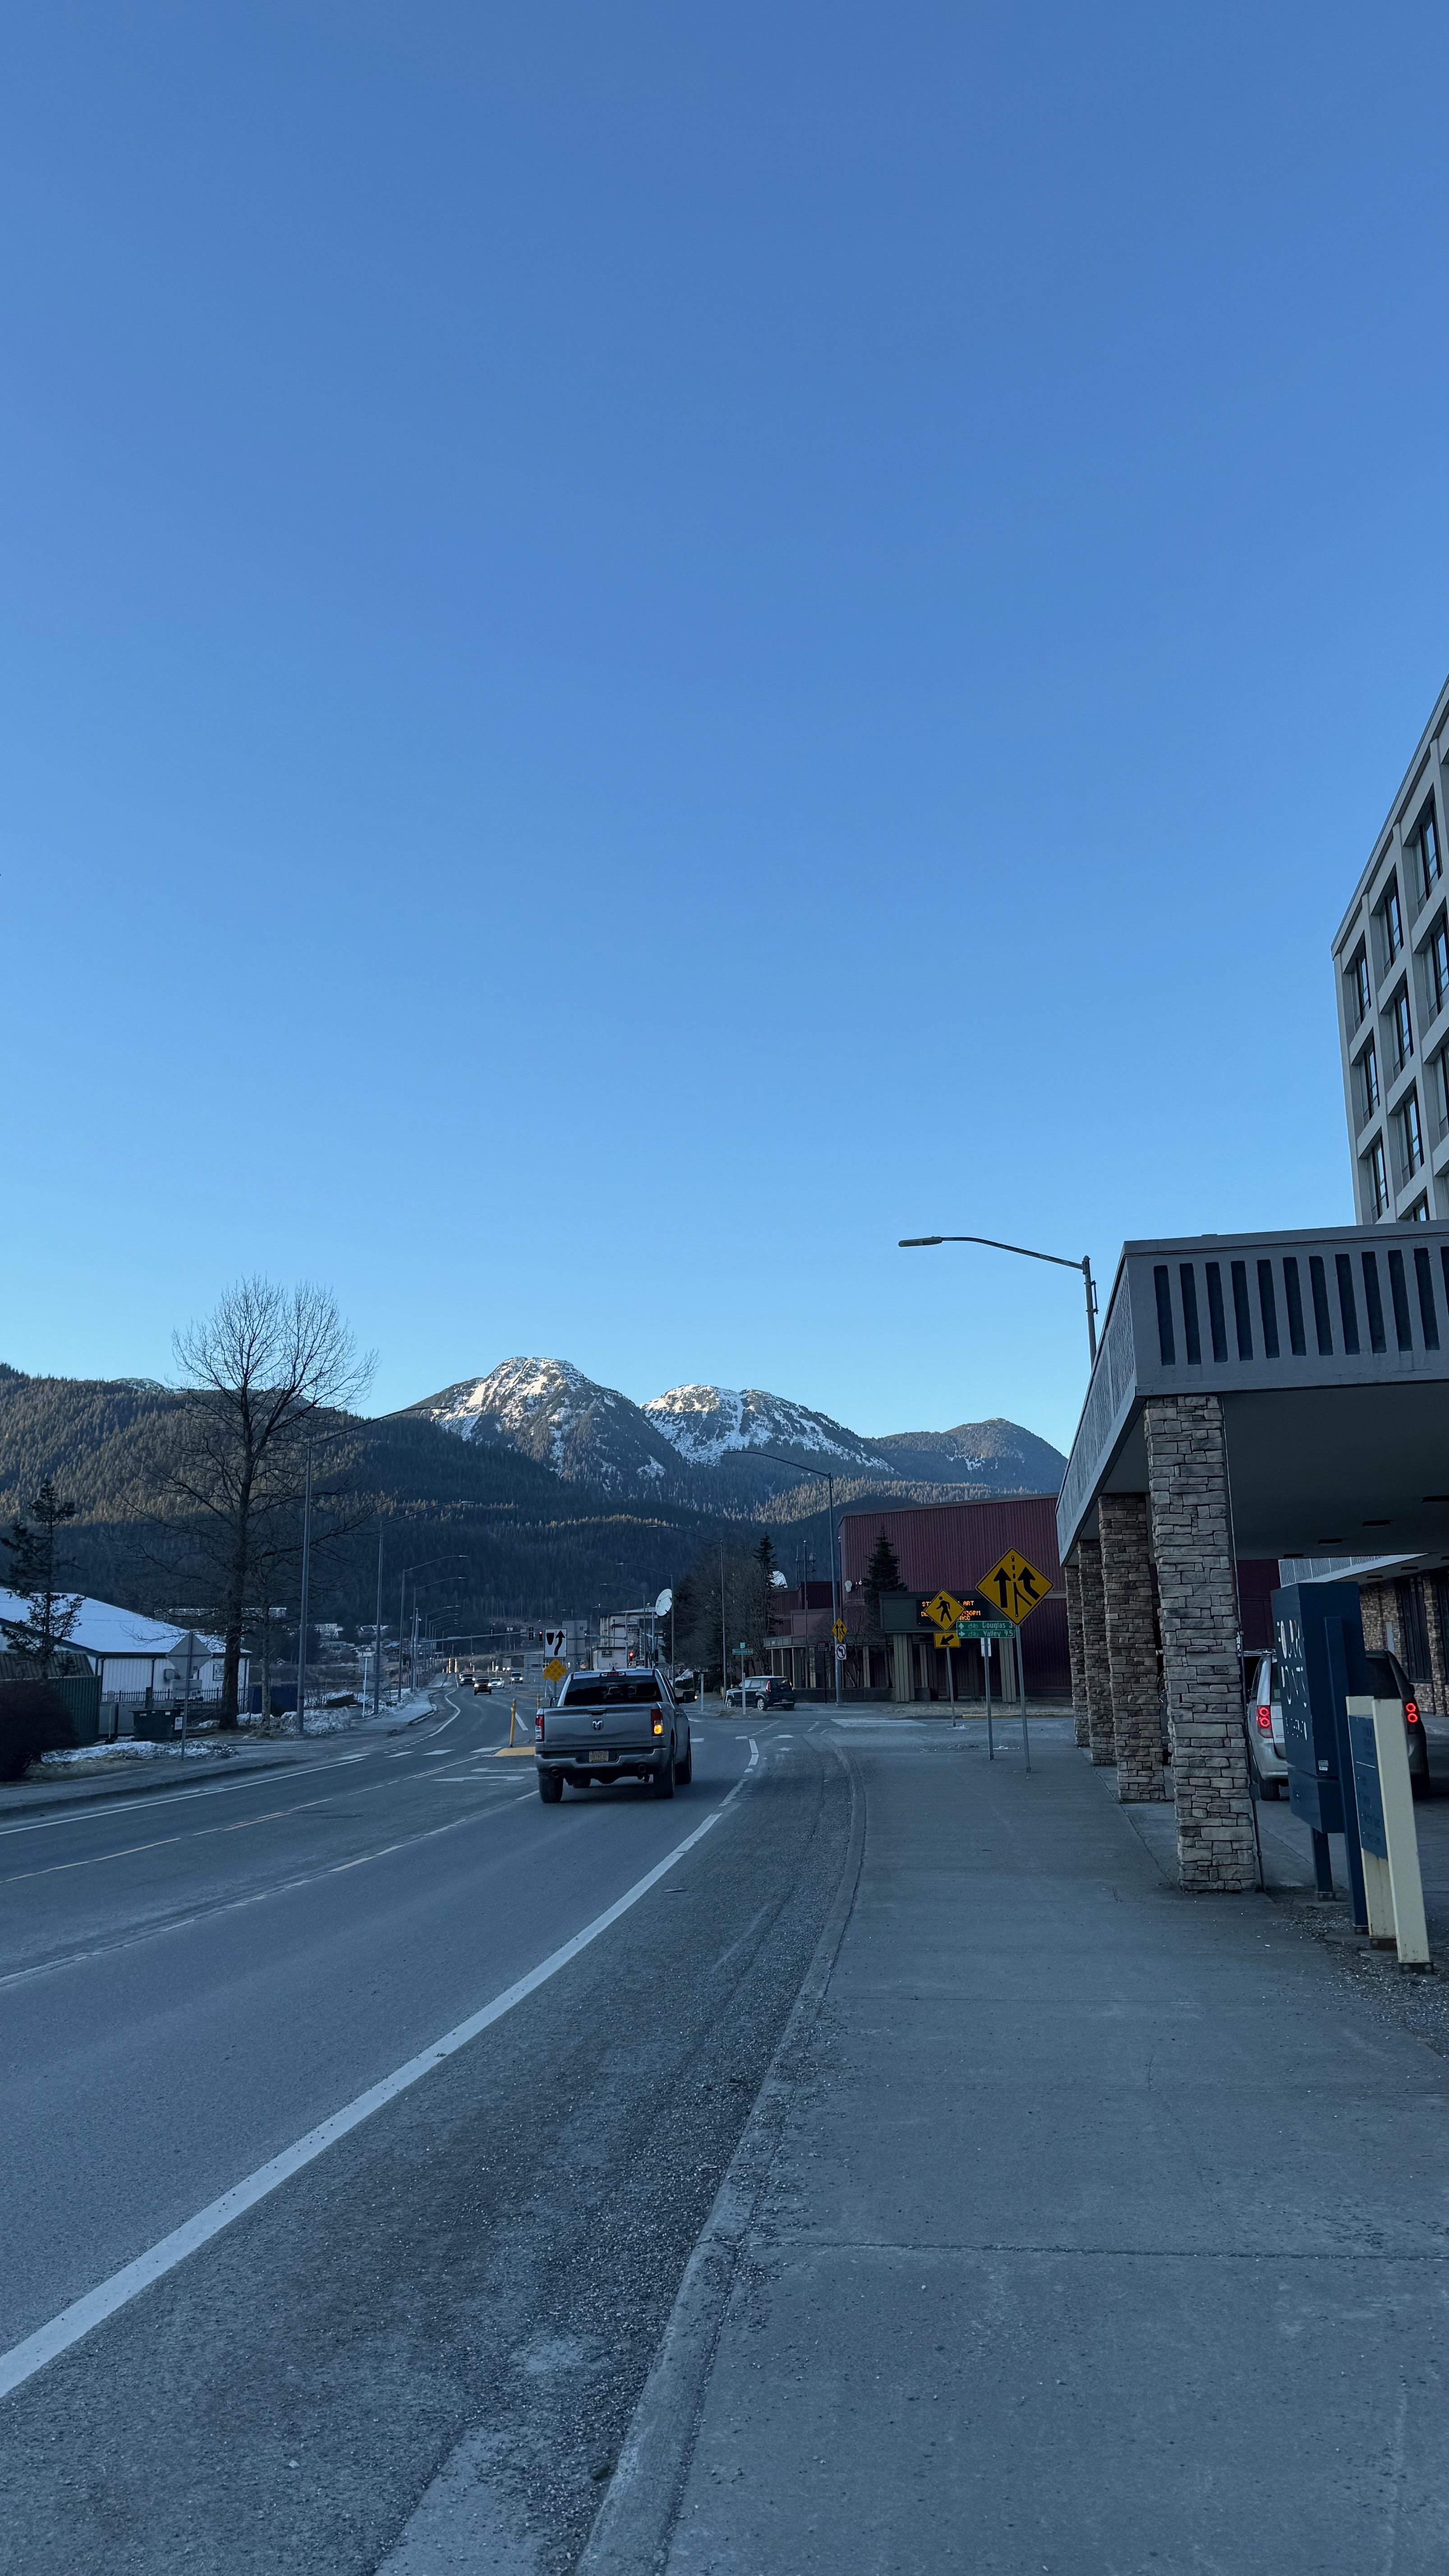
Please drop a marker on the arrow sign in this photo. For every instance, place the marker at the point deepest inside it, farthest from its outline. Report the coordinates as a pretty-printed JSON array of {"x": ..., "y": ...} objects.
[{"x": 1014, "y": 1587}]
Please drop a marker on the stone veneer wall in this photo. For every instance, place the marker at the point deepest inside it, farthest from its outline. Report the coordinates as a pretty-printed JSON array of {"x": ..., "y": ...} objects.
[
  {"x": 1094, "y": 1653},
  {"x": 1192, "y": 1543},
  {"x": 1072, "y": 1585},
  {"x": 1131, "y": 1645}
]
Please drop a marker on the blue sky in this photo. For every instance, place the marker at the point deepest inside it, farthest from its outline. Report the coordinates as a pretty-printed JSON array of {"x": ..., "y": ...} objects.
[{"x": 644, "y": 647}]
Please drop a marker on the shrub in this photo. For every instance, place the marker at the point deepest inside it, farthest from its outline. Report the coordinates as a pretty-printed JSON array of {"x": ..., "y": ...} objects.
[{"x": 34, "y": 1719}]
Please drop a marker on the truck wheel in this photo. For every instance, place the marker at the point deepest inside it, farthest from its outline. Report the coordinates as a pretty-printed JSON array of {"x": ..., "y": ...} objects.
[
  {"x": 664, "y": 1780},
  {"x": 684, "y": 1771},
  {"x": 550, "y": 1787}
]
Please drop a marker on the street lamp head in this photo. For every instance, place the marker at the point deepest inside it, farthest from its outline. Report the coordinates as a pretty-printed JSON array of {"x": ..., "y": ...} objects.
[{"x": 915, "y": 1242}]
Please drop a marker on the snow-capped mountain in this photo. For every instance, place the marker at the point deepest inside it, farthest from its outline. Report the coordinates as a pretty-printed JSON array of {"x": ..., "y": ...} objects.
[
  {"x": 701, "y": 1444},
  {"x": 550, "y": 1411},
  {"x": 705, "y": 1423},
  {"x": 1000, "y": 1454}
]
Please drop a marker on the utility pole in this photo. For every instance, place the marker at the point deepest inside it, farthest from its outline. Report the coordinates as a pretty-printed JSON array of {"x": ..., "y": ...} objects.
[
  {"x": 306, "y": 1574},
  {"x": 377, "y": 1634},
  {"x": 186, "y": 1702}
]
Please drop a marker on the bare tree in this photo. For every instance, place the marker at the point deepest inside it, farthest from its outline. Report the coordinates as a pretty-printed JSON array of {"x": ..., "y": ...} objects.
[{"x": 261, "y": 1374}]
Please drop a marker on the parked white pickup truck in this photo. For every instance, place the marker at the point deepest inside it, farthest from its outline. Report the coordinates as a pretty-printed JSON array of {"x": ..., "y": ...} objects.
[{"x": 612, "y": 1726}]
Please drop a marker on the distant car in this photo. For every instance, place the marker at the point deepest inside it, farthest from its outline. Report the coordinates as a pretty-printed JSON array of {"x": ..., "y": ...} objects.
[
  {"x": 762, "y": 1690},
  {"x": 686, "y": 1685},
  {"x": 1388, "y": 1680}
]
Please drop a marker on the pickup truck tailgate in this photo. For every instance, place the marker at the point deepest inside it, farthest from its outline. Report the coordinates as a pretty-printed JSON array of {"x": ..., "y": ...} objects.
[{"x": 586, "y": 1729}]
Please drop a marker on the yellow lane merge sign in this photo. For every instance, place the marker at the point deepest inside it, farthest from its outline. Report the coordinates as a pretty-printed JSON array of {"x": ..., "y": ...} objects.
[
  {"x": 839, "y": 1631},
  {"x": 553, "y": 1670},
  {"x": 1014, "y": 1588}
]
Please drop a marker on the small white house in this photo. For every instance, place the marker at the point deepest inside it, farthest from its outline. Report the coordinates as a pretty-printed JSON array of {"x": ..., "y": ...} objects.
[{"x": 134, "y": 1655}]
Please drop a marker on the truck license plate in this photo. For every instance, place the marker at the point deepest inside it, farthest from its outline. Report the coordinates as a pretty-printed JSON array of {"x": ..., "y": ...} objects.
[{"x": 598, "y": 1757}]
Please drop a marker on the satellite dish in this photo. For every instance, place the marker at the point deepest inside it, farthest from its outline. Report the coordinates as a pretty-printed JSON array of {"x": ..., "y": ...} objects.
[
  {"x": 664, "y": 1604},
  {"x": 780, "y": 1581}
]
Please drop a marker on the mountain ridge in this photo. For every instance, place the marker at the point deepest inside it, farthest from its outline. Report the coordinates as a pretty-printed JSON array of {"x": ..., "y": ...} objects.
[{"x": 702, "y": 1443}]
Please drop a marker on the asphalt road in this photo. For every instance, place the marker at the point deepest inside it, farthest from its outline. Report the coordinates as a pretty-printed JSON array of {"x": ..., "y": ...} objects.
[{"x": 193, "y": 1982}]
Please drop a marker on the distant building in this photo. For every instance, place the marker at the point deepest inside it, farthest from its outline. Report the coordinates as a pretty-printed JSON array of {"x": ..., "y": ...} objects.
[
  {"x": 1391, "y": 957},
  {"x": 133, "y": 1655},
  {"x": 951, "y": 1547}
]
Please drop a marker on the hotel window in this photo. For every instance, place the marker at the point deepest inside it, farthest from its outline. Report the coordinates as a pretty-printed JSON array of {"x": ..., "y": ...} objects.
[
  {"x": 1378, "y": 1172},
  {"x": 1436, "y": 965},
  {"x": 1358, "y": 988},
  {"x": 1426, "y": 842},
  {"x": 1391, "y": 915},
  {"x": 1412, "y": 1134},
  {"x": 1402, "y": 1026},
  {"x": 1439, "y": 1093},
  {"x": 1368, "y": 1081},
  {"x": 1418, "y": 1214}
]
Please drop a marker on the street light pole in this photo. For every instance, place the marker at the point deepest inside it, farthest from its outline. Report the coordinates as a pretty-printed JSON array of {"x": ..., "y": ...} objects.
[
  {"x": 377, "y": 1634},
  {"x": 918, "y": 1242},
  {"x": 778, "y": 1461},
  {"x": 306, "y": 1571}
]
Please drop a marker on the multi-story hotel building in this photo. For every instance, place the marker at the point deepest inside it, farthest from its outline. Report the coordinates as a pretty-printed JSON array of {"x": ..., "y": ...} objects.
[{"x": 1392, "y": 962}]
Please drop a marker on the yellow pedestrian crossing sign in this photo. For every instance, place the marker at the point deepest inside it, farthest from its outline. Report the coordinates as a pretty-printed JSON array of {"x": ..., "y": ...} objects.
[
  {"x": 1014, "y": 1587},
  {"x": 944, "y": 1611}
]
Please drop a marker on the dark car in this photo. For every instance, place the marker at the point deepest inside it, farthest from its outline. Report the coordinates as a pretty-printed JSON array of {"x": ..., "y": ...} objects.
[{"x": 762, "y": 1690}]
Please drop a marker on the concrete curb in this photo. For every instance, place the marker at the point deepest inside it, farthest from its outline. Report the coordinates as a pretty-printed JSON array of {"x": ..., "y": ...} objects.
[{"x": 634, "y": 2525}]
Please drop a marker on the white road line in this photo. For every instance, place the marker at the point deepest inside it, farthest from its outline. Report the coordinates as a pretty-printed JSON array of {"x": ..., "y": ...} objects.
[
  {"x": 264, "y": 1777},
  {"x": 24, "y": 2359},
  {"x": 234, "y": 1904}
]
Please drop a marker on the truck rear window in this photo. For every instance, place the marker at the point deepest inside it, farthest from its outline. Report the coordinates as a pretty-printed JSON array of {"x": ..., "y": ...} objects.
[{"x": 610, "y": 1690}]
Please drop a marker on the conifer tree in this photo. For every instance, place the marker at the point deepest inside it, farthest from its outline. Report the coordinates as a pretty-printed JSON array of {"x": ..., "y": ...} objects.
[
  {"x": 36, "y": 1573},
  {"x": 883, "y": 1574}
]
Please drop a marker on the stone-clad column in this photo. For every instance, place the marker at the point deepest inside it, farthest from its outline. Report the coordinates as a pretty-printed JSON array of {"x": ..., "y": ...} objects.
[
  {"x": 1131, "y": 1644},
  {"x": 1187, "y": 1483},
  {"x": 1072, "y": 1585},
  {"x": 1094, "y": 1653}
]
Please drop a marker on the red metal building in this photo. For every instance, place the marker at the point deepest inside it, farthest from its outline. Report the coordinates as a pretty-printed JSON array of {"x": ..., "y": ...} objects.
[{"x": 951, "y": 1547}]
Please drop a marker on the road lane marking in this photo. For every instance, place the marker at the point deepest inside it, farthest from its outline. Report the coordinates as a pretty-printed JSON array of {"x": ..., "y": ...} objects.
[
  {"x": 84, "y": 2314},
  {"x": 200, "y": 1833},
  {"x": 101, "y": 1811},
  {"x": 253, "y": 1896}
]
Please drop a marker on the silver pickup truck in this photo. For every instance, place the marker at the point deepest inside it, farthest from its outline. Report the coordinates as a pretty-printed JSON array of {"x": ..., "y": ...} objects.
[{"x": 612, "y": 1726}]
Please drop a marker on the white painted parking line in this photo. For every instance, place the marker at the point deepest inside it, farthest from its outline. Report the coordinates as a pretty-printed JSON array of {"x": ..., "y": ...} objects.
[{"x": 85, "y": 2314}]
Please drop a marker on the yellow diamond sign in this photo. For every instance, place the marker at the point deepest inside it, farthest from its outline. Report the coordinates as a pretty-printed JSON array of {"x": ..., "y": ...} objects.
[
  {"x": 1014, "y": 1588},
  {"x": 553, "y": 1670},
  {"x": 943, "y": 1610}
]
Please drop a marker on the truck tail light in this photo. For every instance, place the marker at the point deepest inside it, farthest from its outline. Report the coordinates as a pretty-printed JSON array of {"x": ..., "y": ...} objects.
[
  {"x": 1411, "y": 1711},
  {"x": 659, "y": 1726},
  {"x": 538, "y": 1725},
  {"x": 1265, "y": 1721}
]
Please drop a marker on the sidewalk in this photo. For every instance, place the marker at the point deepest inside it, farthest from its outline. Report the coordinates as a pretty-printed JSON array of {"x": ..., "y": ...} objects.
[{"x": 1101, "y": 2235}]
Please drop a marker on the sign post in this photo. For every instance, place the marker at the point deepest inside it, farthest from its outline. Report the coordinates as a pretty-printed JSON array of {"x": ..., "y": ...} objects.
[{"x": 1015, "y": 1588}]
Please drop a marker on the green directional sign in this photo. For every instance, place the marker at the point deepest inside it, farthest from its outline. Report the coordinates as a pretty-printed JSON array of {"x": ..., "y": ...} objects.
[{"x": 993, "y": 1628}]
